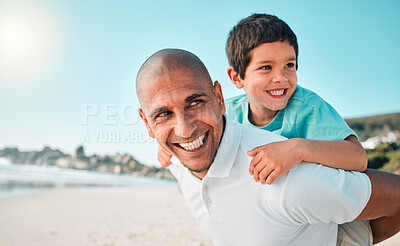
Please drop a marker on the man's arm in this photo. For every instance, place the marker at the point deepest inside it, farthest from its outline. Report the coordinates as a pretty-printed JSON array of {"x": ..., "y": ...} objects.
[{"x": 383, "y": 207}]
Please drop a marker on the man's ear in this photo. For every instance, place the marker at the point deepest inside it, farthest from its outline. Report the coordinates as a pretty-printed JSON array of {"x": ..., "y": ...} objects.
[
  {"x": 235, "y": 77},
  {"x": 220, "y": 97},
  {"x": 143, "y": 116}
]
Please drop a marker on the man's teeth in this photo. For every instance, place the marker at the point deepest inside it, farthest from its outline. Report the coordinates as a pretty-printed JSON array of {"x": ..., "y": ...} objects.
[
  {"x": 276, "y": 93},
  {"x": 197, "y": 143}
]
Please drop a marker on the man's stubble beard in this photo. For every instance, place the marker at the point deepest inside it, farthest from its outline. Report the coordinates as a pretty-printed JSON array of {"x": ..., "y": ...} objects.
[
  {"x": 215, "y": 153},
  {"x": 204, "y": 169}
]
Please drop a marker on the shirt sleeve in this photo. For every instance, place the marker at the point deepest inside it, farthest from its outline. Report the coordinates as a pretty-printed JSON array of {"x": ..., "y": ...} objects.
[
  {"x": 318, "y": 194},
  {"x": 176, "y": 169},
  {"x": 237, "y": 108},
  {"x": 318, "y": 120}
]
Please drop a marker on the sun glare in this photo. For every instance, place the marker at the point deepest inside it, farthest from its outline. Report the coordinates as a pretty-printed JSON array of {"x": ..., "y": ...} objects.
[{"x": 28, "y": 41}]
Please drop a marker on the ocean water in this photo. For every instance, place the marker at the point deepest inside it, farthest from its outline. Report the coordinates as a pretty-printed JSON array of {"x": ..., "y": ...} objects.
[{"x": 22, "y": 180}]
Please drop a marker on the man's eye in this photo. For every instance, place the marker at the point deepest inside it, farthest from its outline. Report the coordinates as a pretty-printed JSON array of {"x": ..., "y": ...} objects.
[
  {"x": 195, "y": 102},
  {"x": 267, "y": 67},
  {"x": 163, "y": 114},
  {"x": 290, "y": 65}
]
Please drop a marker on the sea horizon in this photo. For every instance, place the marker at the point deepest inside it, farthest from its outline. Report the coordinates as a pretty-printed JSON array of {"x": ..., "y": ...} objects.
[{"x": 18, "y": 180}]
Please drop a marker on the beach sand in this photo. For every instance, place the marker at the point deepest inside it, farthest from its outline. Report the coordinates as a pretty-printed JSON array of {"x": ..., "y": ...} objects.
[
  {"x": 151, "y": 215},
  {"x": 146, "y": 215}
]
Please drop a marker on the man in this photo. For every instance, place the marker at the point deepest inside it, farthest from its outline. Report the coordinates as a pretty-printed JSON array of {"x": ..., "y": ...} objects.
[{"x": 183, "y": 110}]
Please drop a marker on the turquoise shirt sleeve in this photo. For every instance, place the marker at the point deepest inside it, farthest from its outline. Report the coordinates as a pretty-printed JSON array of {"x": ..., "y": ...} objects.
[
  {"x": 317, "y": 120},
  {"x": 237, "y": 108},
  {"x": 306, "y": 116}
]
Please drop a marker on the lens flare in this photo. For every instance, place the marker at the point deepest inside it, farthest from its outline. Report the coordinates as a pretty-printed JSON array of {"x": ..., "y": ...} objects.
[{"x": 29, "y": 41}]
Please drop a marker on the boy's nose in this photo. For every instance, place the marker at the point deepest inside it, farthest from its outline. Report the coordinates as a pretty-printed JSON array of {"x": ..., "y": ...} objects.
[{"x": 280, "y": 76}]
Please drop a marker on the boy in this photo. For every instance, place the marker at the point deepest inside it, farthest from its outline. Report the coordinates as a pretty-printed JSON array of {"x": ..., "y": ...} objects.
[{"x": 262, "y": 51}]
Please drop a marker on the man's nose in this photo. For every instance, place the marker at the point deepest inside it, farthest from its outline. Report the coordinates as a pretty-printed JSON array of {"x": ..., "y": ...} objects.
[{"x": 184, "y": 127}]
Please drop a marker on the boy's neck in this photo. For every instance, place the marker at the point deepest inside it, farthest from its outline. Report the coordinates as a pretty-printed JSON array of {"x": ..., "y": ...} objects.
[{"x": 260, "y": 116}]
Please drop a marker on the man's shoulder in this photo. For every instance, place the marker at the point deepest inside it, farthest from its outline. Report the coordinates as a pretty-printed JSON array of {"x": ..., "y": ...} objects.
[{"x": 252, "y": 137}]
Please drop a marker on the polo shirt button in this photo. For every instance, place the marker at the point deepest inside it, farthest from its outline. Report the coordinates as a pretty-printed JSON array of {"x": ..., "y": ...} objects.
[
  {"x": 205, "y": 187},
  {"x": 209, "y": 201}
]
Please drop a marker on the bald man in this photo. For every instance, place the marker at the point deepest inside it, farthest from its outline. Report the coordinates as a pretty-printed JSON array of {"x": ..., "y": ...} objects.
[{"x": 184, "y": 111}]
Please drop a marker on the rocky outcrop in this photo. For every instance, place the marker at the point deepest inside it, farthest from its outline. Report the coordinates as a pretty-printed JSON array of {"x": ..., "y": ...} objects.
[{"x": 115, "y": 164}]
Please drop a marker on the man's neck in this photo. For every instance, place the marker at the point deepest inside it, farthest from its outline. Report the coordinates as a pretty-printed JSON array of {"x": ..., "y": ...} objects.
[{"x": 201, "y": 175}]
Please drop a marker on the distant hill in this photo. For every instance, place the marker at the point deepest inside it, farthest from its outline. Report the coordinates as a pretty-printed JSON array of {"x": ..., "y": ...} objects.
[{"x": 376, "y": 125}]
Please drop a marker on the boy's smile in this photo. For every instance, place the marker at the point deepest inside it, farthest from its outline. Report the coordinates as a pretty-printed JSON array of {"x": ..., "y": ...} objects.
[
  {"x": 278, "y": 93},
  {"x": 270, "y": 80}
]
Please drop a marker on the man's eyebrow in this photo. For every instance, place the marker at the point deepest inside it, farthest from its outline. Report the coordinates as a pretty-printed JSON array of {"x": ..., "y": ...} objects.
[
  {"x": 196, "y": 95},
  {"x": 157, "y": 111}
]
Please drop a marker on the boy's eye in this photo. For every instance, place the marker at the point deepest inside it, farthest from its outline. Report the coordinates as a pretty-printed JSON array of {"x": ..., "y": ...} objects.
[
  {"x": 267, "y": 67},
  {"x": 289, "y": 65}
]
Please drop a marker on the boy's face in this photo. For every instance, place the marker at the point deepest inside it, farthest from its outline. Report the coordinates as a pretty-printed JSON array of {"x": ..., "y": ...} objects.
[{"x": 270, "y": 78}]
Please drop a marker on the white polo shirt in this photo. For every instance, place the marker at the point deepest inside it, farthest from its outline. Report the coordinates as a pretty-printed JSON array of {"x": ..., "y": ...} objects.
[{"x": 302, "y": 207}]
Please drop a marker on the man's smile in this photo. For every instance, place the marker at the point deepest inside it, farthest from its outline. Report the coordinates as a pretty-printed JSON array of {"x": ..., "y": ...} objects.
[{"x": 193, "y": 145}]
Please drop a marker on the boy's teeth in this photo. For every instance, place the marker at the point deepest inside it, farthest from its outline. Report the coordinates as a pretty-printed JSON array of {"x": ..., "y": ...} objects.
[
  {"x": 197, "y": 143},
  {"x": 276, "y": 93}
]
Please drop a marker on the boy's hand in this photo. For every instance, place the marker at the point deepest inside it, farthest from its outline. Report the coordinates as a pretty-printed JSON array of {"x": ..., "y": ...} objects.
[
  {"x": 164, "y": 157},
  {"x": 273, "y": 160}
]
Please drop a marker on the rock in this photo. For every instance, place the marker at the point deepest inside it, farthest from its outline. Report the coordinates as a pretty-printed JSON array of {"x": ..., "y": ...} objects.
[
  {"x": 126, "y": 159},
  {"x": 115, "y": 163},
  {"x": 64, "y": 162},
  {"x": 117, "y": 169},
  {"x": 80, "y": 153}
]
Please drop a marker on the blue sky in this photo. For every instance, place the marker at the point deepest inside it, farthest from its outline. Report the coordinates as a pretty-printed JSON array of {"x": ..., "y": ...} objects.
[{"x": 67, "y": 67}]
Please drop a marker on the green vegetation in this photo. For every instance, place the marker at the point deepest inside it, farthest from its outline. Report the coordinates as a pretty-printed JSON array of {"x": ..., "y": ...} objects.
[
  {"x": 372, "y": 126},
  {"x": 385, "y": 156},
  {"x": 393, "y": 165}
]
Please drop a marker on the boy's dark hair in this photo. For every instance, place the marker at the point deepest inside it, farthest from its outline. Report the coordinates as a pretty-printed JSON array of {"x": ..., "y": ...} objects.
[{"x": 252, "y": 31}]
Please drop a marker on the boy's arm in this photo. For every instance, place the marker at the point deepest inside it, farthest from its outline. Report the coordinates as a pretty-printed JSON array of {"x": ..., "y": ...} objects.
[
  {"x": 164, "y": 157},
  {"x": 347, "y": 154},
  {"x": 275, "y": 159}
]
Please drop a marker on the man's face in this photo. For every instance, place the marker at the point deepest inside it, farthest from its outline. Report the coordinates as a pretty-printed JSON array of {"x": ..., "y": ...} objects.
[
  {"x": 183, "y": 111},
  {"x": 270, "y": 78}
]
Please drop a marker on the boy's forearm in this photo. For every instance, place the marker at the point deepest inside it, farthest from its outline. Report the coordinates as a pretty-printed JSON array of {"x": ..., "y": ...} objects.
[{"x": 345, "y": 154}]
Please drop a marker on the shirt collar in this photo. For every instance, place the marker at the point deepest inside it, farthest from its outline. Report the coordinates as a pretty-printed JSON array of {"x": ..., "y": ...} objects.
[{"x": 226, "y": 152}]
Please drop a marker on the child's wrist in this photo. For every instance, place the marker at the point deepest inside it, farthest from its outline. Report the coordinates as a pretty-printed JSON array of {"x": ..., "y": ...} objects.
[{"x": 300, "y": 148}]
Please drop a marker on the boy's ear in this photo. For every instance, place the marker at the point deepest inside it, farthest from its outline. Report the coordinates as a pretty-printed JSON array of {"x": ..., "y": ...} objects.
[
  {"x": 143, "y": 116},
  {"x": 235, "y": 78}
]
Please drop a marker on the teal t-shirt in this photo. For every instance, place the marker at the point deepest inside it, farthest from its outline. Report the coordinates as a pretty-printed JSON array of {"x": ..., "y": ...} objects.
[{"x": 306, "y": 115}]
